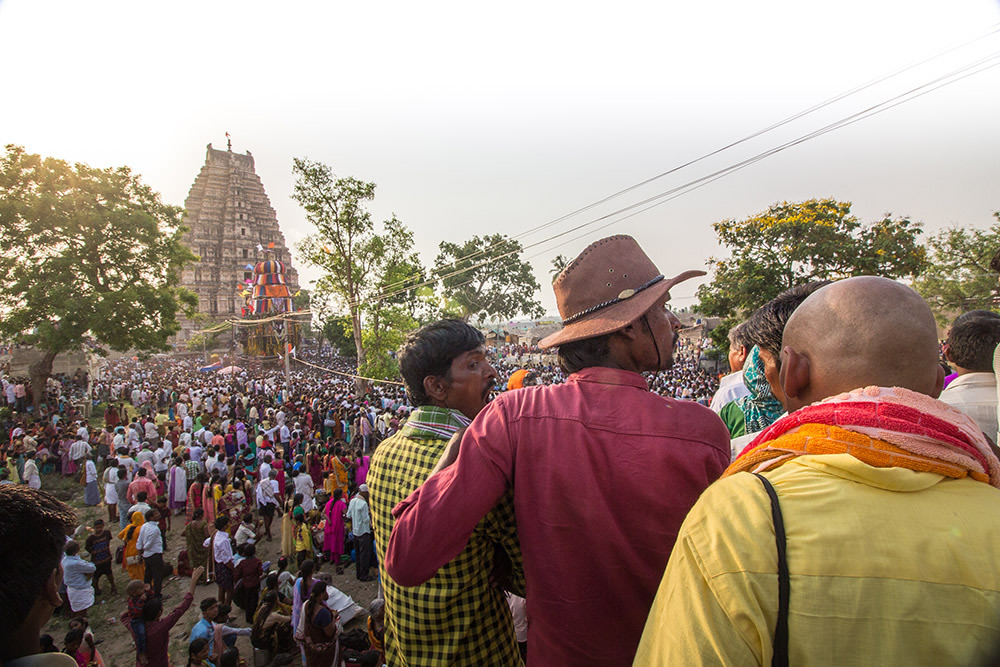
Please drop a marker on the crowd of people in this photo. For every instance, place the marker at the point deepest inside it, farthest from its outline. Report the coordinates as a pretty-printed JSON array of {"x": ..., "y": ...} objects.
[{"x": 577, "y": 508}]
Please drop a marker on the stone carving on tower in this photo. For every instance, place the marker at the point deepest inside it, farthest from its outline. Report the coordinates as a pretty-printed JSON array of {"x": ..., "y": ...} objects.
[{"x": 232, "y": 227}]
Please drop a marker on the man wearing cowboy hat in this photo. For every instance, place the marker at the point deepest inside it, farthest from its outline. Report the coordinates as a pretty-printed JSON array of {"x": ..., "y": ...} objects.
[{"x": 603, "y": 471}]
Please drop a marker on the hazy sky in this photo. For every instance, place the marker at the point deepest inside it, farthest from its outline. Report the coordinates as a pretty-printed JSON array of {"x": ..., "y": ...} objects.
[{"x": 476, "y": 118}]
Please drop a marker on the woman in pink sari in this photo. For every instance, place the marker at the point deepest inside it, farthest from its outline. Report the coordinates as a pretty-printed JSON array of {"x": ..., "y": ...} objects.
[
  {"x": 333, "y": 532},
  {"x": 68, "y": 465},
  {"x": 210, "y": 499}
]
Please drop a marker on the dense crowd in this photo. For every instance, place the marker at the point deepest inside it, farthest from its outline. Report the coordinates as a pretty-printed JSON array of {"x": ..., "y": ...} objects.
[{"x": 505, "y": 500}]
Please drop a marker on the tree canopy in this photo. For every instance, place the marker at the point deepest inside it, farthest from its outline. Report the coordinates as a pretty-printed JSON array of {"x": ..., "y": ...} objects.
[
  {"x": 794, "y": 243},
  {"x": 91, "y": 257},
  {"x": 960, "y": 275},
  {"x": 364, "y": 268},
  {"x": 486, "y": 278}
]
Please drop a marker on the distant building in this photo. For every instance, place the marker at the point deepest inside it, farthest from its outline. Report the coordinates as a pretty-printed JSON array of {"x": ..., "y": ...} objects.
[{"x": 232, "y": 227}]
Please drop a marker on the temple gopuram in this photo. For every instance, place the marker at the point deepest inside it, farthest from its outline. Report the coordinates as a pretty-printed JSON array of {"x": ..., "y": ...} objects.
[{"x": 232, "y": 227}]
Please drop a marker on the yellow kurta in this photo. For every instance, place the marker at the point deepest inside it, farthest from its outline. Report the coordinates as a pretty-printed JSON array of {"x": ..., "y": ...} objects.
[{"x": 887, "y": 566}]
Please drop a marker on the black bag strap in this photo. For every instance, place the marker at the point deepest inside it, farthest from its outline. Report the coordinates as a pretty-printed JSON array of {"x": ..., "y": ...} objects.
[{"x": 780, "y": 657}]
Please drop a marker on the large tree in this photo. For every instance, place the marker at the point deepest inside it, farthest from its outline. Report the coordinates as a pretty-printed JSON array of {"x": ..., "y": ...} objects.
[
  {"x": 960, "y": 275},
  {"x": 365, "y": 270},
  {"x": 91, "y": 257},
  {"x": 486, "y": 278},
  {"x": 793, "y": 243}
]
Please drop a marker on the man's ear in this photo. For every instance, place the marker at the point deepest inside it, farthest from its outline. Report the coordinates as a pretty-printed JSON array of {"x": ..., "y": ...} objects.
[
  {"x": 50, "y": 593},
  {"x": 631, "y": 330},
  {"x": 938, "y": 382},
  {"x": 794, "y": 376},
  {"x": 436, "y": 387}
]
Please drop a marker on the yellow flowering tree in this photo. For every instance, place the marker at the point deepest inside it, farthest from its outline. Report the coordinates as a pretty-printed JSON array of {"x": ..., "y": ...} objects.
[{"x": 794, "y": 243}]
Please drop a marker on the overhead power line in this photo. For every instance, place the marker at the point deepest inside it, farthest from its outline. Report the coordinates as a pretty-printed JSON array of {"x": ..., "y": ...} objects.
[
  {"x": 836, "y": 98},
  {"x": 976, "y": 67}
]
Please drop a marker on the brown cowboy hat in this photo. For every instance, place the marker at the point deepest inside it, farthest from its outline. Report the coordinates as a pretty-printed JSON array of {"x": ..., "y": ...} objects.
[{"x": 610, "y": 285}]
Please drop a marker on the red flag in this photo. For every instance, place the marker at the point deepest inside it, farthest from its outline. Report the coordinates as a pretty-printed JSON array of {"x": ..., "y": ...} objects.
[{"x": 270, "y": 245}]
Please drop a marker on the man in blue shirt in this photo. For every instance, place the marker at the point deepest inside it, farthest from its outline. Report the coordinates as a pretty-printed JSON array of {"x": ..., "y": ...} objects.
[
  {"x": 76, "y": 575},
  {"x": 205, "y": 627}
]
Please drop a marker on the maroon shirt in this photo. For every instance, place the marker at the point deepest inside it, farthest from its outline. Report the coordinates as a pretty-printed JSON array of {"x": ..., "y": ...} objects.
[
  {"x": 158, "y": 634},
  {"x": 603, "y": 472},
  {"x": 250, "y": 571}
]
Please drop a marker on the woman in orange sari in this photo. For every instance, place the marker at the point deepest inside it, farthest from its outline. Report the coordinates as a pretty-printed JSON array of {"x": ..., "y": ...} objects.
[{"x": 130, "y": 536}]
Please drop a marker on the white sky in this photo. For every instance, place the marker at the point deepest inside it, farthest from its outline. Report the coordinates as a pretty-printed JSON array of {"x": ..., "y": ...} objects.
[{"x": 475, "y": 118}]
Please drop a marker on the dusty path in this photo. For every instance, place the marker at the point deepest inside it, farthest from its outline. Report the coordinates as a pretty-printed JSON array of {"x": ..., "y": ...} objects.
[{"x": 117, "y": 647}]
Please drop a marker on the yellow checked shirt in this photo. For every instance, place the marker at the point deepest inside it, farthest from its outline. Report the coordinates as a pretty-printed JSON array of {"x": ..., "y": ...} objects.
[{"x": 456, "y": 618}]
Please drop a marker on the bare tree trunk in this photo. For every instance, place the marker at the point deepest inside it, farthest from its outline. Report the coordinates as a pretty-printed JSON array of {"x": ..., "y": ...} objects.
[
  {"x": 360, "y": 386},
  {"x": 38, "y": 373}
]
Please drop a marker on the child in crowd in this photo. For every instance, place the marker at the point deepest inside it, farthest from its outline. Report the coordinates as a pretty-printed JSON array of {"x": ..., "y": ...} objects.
[
  {"x": 161, "y": 505},
  {"x": 98, "y": 545},
  {"x": 136, "y": 591}
]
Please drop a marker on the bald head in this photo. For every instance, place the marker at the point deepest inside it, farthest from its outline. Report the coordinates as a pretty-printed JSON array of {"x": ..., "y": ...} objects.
[{"x": 855, "y": 333}]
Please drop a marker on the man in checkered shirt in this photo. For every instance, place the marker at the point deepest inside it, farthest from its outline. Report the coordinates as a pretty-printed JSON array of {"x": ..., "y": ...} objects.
[{"x": 457, "y": 617}]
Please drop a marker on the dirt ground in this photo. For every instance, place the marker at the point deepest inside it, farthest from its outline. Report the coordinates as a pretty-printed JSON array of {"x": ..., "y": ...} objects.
[{"x": 116, "y": 647}]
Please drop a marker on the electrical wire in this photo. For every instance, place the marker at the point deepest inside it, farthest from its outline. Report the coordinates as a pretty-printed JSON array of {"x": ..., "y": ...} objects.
[
  {"x": 668, "y": 195},
  {"x": 781, "y": 123}
]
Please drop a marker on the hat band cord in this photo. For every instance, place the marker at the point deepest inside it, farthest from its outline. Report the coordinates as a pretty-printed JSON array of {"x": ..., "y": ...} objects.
[{"x": 611, "y": 302}]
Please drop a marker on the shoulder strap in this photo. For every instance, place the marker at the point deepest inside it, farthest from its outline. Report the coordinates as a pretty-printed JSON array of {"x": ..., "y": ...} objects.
[{"x": 780, "y": 656}]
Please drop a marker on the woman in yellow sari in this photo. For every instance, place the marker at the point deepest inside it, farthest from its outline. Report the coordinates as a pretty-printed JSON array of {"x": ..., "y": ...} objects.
[
  {"x": 130, "y": 535},
  {"x": 288, "y": 527}
]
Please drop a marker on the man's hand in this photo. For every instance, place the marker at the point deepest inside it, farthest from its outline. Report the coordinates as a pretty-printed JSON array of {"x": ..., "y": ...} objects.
[
  {"x": 450, "y": 451},
  {"x": 195, "y": 576}
]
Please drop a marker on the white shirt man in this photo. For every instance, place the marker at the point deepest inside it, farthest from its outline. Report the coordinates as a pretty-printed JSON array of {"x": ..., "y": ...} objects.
[
  {"x": 210, "y": 462},
  {"x": 129, "y": 463},
  {"x": 360, "y": 515},
  {"x": 78, "y": 449},
  {"x": 160, "y": 459},
  {"x": 150, "y": 540},
  {"x": 975, "y": 394},
  {"x": 267, "y": 491},
  {"x": 145, "y": 455},
  {"x": 304, "y": 485},
  {"x": 731, "y": 387},
  {"x": 222, "y": 548},
  {"x": 31, "y": 477}
]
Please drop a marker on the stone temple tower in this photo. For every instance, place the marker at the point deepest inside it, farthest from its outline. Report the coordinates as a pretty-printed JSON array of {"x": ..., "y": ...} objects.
[{"x": 232, "y": 228}]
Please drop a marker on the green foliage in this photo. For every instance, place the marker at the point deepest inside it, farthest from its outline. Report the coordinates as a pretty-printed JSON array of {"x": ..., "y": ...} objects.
[
  {"x": 559, "y": 262},
  {"x": 90, "y": 256},
  {"x": 959, "y": 277},
  {"x": 383, "y": 336},
  {"x": 795, "y": 243},
  {"x": 366, "y": 271},
  {"x": 337, "y": 330},
  {"x": 490, "y": 281}
]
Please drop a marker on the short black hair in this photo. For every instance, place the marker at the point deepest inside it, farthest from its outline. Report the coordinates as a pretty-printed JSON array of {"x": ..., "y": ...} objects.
[
  {"x": 767, "y": 324},
  {"x": 151, "y": 609},
  {"x": 33, "y": 527},
  {"x": 579, "y": 354},
  {"x": 429, "y": 351},
  {"x": 972, "y": 339}
]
